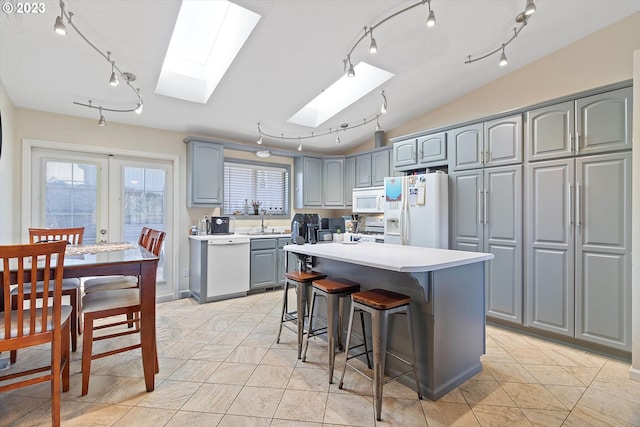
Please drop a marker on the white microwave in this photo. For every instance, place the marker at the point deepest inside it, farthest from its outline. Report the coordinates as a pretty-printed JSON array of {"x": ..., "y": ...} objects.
[{"x": 368, "y": 200}]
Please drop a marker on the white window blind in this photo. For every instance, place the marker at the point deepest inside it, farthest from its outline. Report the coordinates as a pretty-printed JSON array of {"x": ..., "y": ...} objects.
[{"x": 248, "y": 182}]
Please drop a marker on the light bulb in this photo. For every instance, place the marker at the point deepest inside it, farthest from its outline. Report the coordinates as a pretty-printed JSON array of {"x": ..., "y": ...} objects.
[
  {"x": 102, "y": 122},
  {"x": 503, "y": 59},
  {"x": 431, "y": 20},
  {"x": 373, "y": 47},
  {"x": 259, "y": 141},
  {"x": 138, "y": 109},
  {"x": 59, "y": 26},
  {"x": 351, "y": 72},
  {"x": 113, "y": 80},
  {"x": 300, "y": 147},
  {"x": 530, "y": 9}
]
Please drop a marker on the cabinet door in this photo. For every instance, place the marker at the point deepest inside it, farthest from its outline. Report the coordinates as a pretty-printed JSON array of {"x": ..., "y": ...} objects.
[
  {"x": 503, "y": 238},
  {"x": 205, "y": 174},
  {"x": 380, "y": 166},
  {"x": 549, "y": 266},
  {"x": 363, "y": 170},
  {"x": 404, "y": 153},
  {"x": 603, "y": 248},
  {"x": 604, "y": 122},
  {"x": 467, "y": 200},
  {"x": 503, "y": 141},
  {"x": 312, "y": 181},
  {"x": 466, "y": 147},
  {"x": 550, "y": 132},
  {"x": 333, "y": 182},
  {"x": 263, "y": 268},
  {"x": 349, "y": 179},
  {"x": 432, "y": 149}
]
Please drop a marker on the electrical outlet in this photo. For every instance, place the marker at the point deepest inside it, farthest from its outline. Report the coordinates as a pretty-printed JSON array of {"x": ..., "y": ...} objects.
[{"x": 185, "y": 272}]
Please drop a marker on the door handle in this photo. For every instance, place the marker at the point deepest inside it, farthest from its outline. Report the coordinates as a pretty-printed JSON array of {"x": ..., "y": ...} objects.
[
  {"x": 570, "y": 203},
  {"x": 479, "y": 206},
  {"x": 578, "y": 206},
  {"x": 486, "y": 211},
  {"x": 577, "y": 142}
]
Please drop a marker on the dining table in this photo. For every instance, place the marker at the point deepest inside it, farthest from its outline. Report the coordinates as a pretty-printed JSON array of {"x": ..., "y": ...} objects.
[{"x": 114, "y": 259}]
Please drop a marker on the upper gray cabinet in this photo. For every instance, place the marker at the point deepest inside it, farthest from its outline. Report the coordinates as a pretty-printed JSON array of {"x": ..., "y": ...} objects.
[
  {"x": 594, "y": 124},
  {"x": 424, "y": 151},
  {"x": 349, "y": 179},
  {"x": 334, "y": 193},
  {"x": 492, "y": 143},
  {"x": 372, "y": 168},
  {"x": 205, "y": 169},
  {"x": 308, "y": 182}
]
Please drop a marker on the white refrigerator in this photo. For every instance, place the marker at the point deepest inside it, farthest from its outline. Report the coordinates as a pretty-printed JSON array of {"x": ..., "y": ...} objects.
[{"x": 416, "y": 210}]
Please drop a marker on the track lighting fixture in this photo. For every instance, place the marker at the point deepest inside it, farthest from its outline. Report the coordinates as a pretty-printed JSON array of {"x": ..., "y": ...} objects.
[
  {"x": 60, "y": 28},
  {"x": 530, "y": 9},
  {"x": 431, "y": 19},
  {"x": 373, "y": 47},
  {"x": 342, "y": 127},
  {"x": 503, "y": 58},
  {"x": 522, "y": 18},
  {"x": 368, "y": 32}
]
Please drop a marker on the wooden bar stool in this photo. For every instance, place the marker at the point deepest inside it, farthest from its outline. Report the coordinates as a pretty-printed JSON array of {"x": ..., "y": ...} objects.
[
  {"x": 334, "y": 292},
  {"x": 299, "y": 279},
  {"x": 380, "y": 303}
]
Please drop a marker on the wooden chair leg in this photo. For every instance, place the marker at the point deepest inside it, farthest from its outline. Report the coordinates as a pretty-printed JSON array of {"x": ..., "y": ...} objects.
[
  {"x": 66, "y": 355},
  {"x": 87, "y": 344},
  {"x": 56, "y": 360},
  {"x": 13, "y": 354},
  {"x": 73, "y": 299}
]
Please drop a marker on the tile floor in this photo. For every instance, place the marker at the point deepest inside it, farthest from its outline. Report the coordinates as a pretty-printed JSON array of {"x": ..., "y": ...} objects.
[{"x": 220, "y": 366}]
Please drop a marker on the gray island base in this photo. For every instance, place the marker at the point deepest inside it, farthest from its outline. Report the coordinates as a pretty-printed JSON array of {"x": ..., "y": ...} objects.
[{"x": 447, "y": 304}]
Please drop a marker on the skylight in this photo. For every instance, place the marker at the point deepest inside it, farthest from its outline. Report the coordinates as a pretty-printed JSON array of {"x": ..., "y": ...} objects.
[
  {"x": 206, "y": 38},
  {"x": 344, "y": 92}
]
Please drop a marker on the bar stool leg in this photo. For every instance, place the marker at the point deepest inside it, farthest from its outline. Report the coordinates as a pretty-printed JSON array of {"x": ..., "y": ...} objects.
[
  {"x": 301, "y": 290},
  {"x": 332, "y": 320},
  {"x": 379, "y": 326},
  {"x": 347, "y": 346},
  {"x": 413, "y": 350},
  {"x": 284, "y": 309},
  {"x": 310, "y": 325}
]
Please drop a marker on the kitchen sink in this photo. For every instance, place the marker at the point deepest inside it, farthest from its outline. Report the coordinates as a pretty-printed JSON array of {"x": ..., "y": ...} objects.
[{"x": 268, "y": 233}]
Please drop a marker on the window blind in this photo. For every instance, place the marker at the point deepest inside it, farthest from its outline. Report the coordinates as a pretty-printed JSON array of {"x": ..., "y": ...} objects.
[{"x": 247, "y": 182}]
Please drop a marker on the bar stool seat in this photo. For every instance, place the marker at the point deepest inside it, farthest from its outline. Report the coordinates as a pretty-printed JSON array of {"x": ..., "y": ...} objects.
[
  {"x": 334, "y": 292},
  {"x": 300, "y": 280},
  {"x": 380, "y": 304}
]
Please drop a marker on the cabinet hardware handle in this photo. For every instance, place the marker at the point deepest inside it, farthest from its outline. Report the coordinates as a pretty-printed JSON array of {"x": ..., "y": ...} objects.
[
  {"x": 570, "y": 203},
  {"x": 486, "y": 211},
  {"x": 479, "y": 206},
  {"x": 578, "y": 206},
  {"x": 571, "y": 137},
  {"x": 577, "y": 142}
]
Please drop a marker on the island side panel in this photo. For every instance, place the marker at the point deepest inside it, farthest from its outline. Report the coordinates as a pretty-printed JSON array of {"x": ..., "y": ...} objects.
[{"x": 448, "y": 319}]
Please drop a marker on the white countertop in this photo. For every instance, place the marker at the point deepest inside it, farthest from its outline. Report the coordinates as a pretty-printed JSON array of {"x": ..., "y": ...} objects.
[
  {"x": 387, "y": 256},
  {"x": 226, "y": 236}
]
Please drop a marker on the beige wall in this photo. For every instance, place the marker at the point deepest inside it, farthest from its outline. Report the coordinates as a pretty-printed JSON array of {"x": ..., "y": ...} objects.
[{"x": 9, "y": 193}]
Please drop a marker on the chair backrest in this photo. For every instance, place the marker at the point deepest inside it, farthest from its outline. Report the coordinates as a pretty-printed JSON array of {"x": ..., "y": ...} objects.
[
  {"x": 72, "y": 235},
  {"x": 144, "y": 235},
  {"x": 154, "y": 241},
  {"x": 22, "y": 327}
]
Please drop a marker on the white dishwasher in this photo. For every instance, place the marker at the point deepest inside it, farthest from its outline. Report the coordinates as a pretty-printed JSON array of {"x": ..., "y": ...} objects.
[{"x": 227, "y": 266}]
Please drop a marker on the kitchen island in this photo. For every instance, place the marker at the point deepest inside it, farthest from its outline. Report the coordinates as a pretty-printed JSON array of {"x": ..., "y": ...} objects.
[{"x": 447, "y": 304}]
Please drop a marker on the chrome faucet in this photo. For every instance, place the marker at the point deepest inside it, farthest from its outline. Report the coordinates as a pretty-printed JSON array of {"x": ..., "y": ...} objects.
[{"x": 262, "y": 214}]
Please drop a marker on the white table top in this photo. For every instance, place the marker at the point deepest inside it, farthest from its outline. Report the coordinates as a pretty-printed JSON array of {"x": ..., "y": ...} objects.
[{"x": 410, "y": 259}]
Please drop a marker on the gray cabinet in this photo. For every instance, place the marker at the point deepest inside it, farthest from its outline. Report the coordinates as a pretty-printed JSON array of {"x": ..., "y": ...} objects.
[
  {"x": 578, "y": 253},
  {"x": 264, "y": 263},
  {"x": 349, "y": 179},
  {"x": 282, "y": 242},
  {"x": 372, "y": 168},
  {"x": 380, "y": 166},
  {"x": 308, "y": 182},
  {"x": 594, "y": 124},
  {"x": 420, "y": 152},
  {"x": 333, "y": 172},
  {"x": 205, "y": 169},
  {"x": 487, "y": 217},
  {"x": 492, "y": 143}
]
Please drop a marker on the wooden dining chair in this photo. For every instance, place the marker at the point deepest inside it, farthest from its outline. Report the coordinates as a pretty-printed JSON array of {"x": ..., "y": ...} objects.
[
  {"x": 29, "y": 326},
  {"x": 107, "y": 283},
  {"x": 107, "y": 303},
  {"x": 70, "y": 287}
]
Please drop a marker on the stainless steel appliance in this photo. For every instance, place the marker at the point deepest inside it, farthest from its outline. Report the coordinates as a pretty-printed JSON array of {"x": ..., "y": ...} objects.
[
  {"x": 304, "y": 228},
  {"x": 218, "y": 225}
]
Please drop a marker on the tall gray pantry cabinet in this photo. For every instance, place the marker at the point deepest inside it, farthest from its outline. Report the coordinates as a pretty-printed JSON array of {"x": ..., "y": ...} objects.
[
  {"x": 485, "y": 166},
  {"x": 578, "y": 219}
]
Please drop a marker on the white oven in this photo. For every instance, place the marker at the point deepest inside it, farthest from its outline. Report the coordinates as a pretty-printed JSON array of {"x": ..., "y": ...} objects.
[{"x": 368, "y": 200}]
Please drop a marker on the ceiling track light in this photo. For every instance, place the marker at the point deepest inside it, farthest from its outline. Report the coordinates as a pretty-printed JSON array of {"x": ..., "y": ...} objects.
[
  {"x": 522, "y": 18},
  {"x": 60, "y": 28},
  {"x": 368, "y": 32},
  {"x": 343, "y": 126}
]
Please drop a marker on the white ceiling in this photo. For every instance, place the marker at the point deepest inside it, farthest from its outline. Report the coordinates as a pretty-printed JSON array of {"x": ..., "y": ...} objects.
[{"x": 294, "y": 53}]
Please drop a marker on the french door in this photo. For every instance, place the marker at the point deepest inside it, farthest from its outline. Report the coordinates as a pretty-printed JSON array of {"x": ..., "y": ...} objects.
[{"x": 113, "y": 197}]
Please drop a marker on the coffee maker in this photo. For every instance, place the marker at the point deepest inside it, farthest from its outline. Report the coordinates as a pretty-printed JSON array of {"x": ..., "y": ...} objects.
[{"x": 304, "y": 228}]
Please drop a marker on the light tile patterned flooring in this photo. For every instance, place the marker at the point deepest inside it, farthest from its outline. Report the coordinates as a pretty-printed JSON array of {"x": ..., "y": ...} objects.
[{"x": 220, "y": 366}]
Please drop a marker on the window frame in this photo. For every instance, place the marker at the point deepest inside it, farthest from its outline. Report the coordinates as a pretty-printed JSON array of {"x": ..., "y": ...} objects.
[{"x": 272, "y": 165}]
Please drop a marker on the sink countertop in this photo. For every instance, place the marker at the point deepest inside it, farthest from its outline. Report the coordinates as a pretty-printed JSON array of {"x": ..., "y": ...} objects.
[
  {"x": 410, "y": 259},
  {"x": 251, "y": 236}
]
